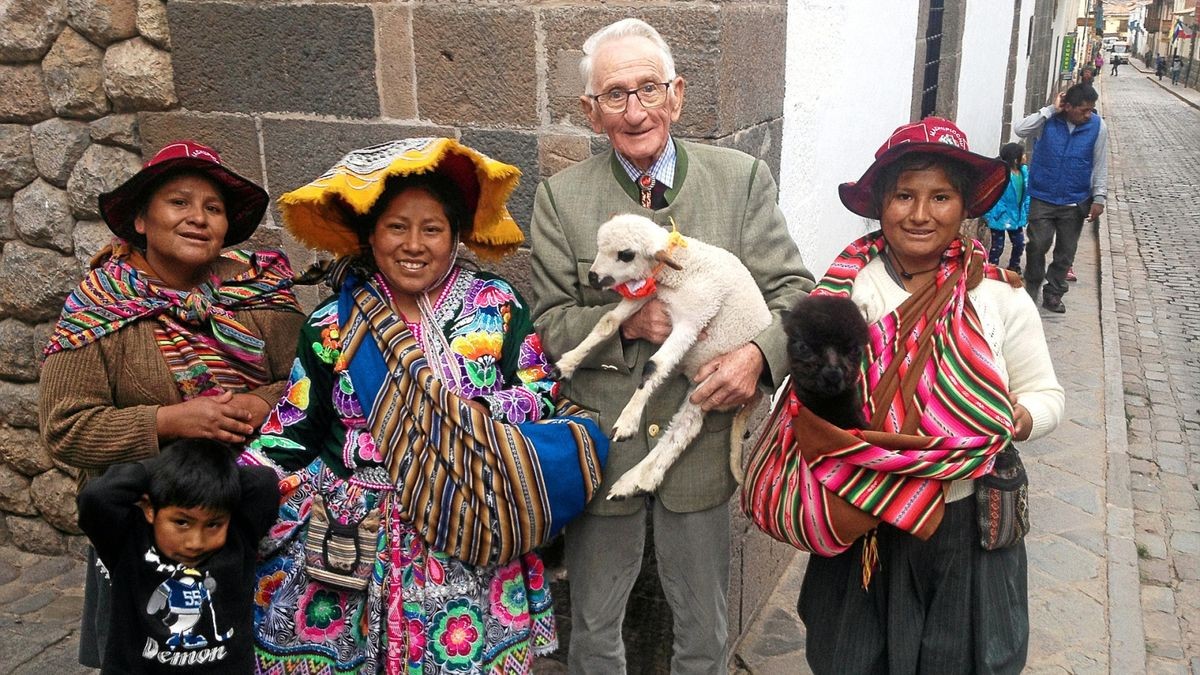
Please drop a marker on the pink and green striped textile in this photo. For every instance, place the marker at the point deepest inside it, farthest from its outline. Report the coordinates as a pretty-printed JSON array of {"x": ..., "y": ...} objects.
[
  {"x": 938, "y": 410},
  {"x": 207, "y": 349}
]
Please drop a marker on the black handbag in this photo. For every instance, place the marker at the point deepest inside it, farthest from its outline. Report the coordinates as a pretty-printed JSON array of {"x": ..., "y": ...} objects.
[{"x": 1002, "y": 501}]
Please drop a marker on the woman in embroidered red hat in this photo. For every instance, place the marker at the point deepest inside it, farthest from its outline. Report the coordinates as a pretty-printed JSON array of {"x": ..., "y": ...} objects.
[
  {"x": 955, "y": 370},
  {"x": 166, "y": 337},
  {"x": 418, "y": 476}
]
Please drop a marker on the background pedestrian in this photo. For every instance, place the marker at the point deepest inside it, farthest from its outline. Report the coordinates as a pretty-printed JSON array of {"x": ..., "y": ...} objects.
[
  {"x": 1068, "y": 181},
  {"x": 1010, "y": 214}
]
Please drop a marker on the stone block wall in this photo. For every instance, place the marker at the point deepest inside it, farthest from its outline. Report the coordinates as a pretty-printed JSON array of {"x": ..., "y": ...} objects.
[
  {"x": 74, "y": 76},
  {"x": 283, "y": 88}
]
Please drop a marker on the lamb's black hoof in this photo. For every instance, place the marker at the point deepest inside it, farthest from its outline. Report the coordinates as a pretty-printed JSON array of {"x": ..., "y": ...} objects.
[
  {"x": 620, "y": 498},
  {"x": 616, "y": 438},
  {"x": 554, "y": 373}
]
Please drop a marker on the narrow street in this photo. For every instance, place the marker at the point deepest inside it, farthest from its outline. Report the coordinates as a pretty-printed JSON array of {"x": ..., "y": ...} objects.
[{"x": 1155, "y": 142}]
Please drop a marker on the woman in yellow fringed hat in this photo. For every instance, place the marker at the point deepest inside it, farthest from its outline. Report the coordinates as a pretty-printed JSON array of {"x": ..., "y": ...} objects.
[{"x": 416, "y": 477}]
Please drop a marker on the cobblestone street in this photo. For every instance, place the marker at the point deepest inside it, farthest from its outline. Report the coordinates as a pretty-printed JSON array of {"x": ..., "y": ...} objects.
[{"x": 1156, "y": 149}]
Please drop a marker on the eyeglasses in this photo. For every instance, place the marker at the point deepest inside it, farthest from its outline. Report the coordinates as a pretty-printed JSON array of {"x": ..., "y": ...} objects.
[{"x": 650, "y": 95}]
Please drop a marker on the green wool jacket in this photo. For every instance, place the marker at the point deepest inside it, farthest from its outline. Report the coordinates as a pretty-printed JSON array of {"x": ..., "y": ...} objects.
[{"x": 722, "y": 197}]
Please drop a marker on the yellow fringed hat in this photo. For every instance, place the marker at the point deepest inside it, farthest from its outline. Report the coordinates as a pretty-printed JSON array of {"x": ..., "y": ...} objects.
[{"x": 312, "y": 215}]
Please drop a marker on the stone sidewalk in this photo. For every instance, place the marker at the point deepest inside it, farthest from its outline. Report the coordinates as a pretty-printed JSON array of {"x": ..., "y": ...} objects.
[{"x": 41, "y": 599}]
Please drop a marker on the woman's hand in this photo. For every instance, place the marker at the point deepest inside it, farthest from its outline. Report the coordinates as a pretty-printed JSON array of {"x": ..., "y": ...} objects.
[
  {"x": 1022, "y": 422},
  {"x": 255, "y": 406},
  {"x": 214, "y": 417}
]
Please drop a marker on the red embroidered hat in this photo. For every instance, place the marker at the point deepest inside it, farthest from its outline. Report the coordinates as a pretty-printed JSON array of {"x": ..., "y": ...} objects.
[
  {"x": 937, "y": 136},
  {"x": 245, "y": 202}
]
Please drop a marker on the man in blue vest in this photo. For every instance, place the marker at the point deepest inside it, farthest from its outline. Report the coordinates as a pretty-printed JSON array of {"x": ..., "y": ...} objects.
[{"x": 1068, "y": 181}]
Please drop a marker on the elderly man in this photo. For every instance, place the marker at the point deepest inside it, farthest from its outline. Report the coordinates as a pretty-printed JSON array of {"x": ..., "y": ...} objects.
[
  {"x": 720, "y": 196},
  {"x": 1068, "y": 181}
]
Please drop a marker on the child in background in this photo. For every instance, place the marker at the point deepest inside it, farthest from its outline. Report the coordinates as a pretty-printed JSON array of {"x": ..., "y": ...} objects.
[
  {"x": 1011, "y": 214},
  {"x": 179, "y": 535}
]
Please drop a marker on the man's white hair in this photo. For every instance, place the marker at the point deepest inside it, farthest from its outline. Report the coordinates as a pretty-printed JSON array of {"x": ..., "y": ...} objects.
[{"x": 621, "y": 29}]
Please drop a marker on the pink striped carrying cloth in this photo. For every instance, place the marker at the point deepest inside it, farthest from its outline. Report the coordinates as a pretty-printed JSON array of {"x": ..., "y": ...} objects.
[
  {"x": 938, "y": 411},
  {"x": 205, "y": 346}
]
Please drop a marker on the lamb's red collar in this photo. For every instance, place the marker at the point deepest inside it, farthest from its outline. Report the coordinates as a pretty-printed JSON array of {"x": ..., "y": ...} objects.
[
  {"x": 638, "y": 288},
  {"x": 641, "y": 288}
]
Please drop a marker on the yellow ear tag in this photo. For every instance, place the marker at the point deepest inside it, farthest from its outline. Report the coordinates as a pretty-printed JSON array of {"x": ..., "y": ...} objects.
[{"x": 675, "y": 239}]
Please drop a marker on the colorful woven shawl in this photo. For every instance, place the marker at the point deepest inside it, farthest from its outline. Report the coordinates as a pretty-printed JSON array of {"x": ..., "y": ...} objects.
[
  {"x": 479, "y": 490},
  {"x": 207, "y": 349},
  {"x": 938, "y": 411}
]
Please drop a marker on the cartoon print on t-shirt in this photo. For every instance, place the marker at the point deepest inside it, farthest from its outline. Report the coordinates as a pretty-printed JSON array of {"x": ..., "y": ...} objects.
[{"x": 180, "y": 602}]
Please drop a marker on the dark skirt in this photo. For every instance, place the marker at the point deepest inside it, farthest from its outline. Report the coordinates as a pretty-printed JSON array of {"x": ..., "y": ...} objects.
[
  {"x": 938, "y": 606},
  {"x": 97, "y": 603}
]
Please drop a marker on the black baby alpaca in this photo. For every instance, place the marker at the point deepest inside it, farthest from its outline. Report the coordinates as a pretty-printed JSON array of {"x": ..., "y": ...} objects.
[{"x": 826, "y": 337}]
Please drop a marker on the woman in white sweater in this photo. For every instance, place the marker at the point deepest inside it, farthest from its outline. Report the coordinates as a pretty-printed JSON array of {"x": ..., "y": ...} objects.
[{"x": 956, "y": 369}]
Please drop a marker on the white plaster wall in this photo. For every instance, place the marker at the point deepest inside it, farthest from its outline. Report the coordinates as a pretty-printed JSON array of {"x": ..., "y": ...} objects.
[
  {"x": 987, "y": 34},
  {"x": 849, "y": 71},
  {"x": 1021, "y": 77}
]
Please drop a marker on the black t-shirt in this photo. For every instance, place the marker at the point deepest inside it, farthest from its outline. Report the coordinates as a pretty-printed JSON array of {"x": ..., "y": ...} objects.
[{"x": 168, "y": 617}]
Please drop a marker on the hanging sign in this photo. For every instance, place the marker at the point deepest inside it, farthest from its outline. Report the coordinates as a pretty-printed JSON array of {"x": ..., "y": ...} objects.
[{"x": 1067, "y": 65}]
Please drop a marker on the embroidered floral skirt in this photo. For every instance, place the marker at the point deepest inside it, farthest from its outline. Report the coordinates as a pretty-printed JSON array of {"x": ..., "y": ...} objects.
[{"x": 421, "y": 611}]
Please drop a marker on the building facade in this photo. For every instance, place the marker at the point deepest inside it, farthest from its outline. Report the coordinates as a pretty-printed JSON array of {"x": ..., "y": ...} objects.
[{"x": 856, "y": 71}]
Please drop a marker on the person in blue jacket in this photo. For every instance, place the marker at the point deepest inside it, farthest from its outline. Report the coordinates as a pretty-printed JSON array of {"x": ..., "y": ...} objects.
[{"x": 1011, "y": 214}]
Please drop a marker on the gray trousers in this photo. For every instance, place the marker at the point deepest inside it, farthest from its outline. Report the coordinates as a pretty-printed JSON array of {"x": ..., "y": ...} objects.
[
  {"x": 604, "y": 556},
  {"x": 1058, "y": 225}
]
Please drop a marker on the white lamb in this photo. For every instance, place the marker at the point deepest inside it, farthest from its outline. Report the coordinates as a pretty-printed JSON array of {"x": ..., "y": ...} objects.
[{"x": 705, "y": 289}]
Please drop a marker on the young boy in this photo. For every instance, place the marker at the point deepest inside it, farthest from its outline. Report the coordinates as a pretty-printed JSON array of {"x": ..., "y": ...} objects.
[{"x": 178, "y": 534}]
